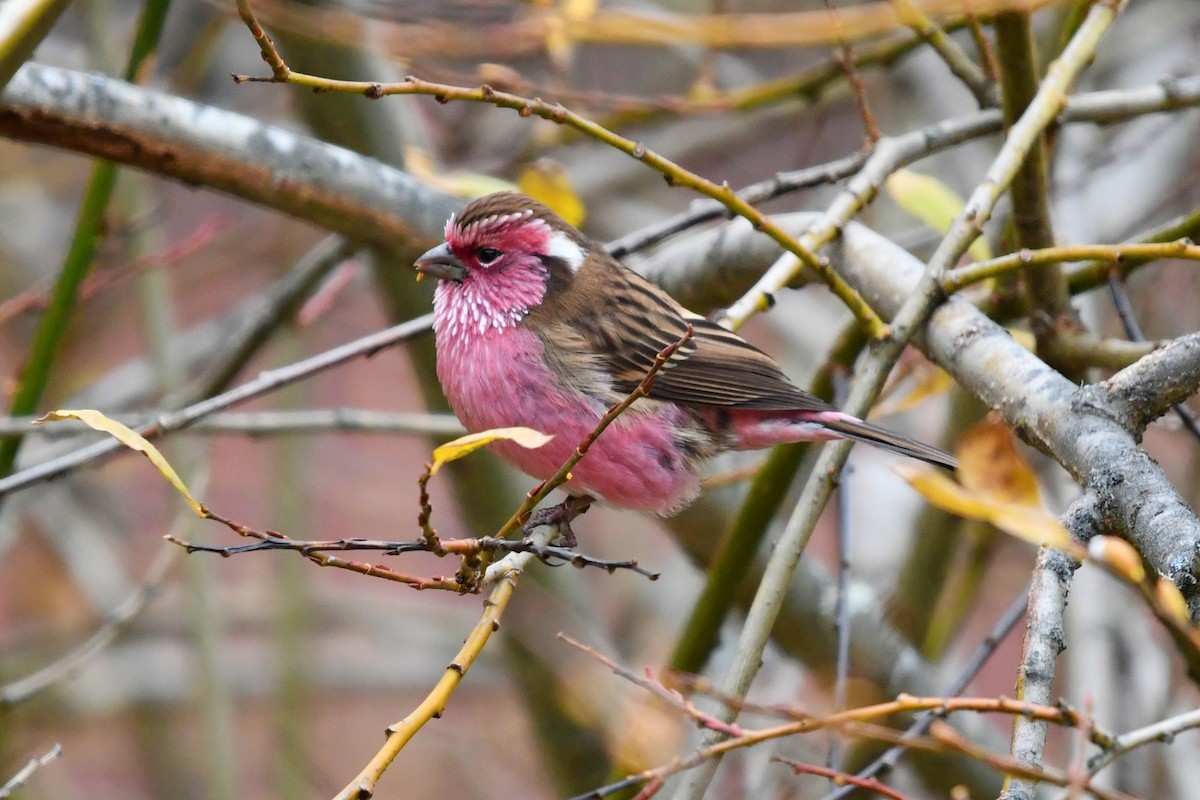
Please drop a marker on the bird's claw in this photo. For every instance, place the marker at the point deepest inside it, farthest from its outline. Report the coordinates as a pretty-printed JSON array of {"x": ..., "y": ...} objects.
[{"x": 560, "y": 516}]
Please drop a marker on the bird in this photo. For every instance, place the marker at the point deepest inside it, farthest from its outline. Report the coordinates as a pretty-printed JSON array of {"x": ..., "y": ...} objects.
[{"x": 536, "y": 325}]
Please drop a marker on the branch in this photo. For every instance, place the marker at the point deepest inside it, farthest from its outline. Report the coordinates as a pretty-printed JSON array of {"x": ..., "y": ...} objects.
[
  {"x": 508, "y": 572},
  {"x": 268, "y": 541},
  {"x": 909, "y": 318},
  {"x": 675, "y": 174},
  {"x": 841, "y": 778},
  {"x": 26, "y": 772},
  {"x": 1071, "y": 350},
  {"x": 859, "y": 721},
  {"x": 1044, "y": 640},
  {"x": 960, "y": 64},
  {"x": 345, "y": 191},
  {"x": 1162, "y": 731},
  {"x": 203, "y": 145},
  {"x": 1079, "y": 427},
  {"x": 1133, "y": 330},
  {"x": 1147, "y": 389},
  {"x": 265, "y": 383},
  {"x": 262, "y": 423},
  {"x": 1109, "y": 254}
]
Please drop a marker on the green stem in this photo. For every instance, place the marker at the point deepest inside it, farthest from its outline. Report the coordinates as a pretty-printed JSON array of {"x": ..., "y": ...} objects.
[
  {"x": 1045, "y": 288},
  {"x": 732, "y": 562},
  {"x": 52, "y": 326},
  {"x": 23, "y": 25}
]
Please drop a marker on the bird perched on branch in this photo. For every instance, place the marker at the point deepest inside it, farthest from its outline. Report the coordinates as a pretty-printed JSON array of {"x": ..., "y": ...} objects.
[{"x": 538, "y": 326}]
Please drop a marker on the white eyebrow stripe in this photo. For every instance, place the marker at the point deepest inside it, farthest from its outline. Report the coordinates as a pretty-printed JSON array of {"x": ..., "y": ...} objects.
[{"x": 565, "y": 248}]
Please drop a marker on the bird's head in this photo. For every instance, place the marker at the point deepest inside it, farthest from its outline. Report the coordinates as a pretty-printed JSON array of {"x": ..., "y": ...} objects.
[{"x": 503, "y": 255}]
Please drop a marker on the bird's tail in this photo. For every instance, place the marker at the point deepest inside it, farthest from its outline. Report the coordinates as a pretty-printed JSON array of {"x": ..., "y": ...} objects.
[{"x": 851, "y": 428}]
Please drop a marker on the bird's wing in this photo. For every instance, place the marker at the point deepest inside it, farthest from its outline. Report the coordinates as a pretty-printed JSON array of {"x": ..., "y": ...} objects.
[{"x": 716, "y": 367}]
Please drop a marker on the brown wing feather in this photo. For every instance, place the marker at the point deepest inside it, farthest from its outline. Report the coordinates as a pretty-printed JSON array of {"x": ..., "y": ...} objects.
[
  {"x": 637, "y": 320},
  {"x": 721, "y": 369}
]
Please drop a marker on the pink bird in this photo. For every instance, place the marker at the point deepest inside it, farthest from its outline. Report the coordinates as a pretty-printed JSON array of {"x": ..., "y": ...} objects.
[{"x": 538, "y": 326}]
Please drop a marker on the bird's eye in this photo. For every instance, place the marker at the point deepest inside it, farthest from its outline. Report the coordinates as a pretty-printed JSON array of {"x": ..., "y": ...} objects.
[{"x": 487, "y": 255}]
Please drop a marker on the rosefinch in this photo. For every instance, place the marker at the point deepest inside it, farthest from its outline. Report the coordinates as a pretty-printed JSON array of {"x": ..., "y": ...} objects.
[{"x": 538, "y": 326}]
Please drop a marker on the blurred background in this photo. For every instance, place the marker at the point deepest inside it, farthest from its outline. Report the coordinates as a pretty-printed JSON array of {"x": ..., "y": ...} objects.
[{"x": 263, "y": 676}]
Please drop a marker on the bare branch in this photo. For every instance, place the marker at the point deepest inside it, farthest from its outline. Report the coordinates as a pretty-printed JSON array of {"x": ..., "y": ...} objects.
[
  {"x": 1078, "y": 426},
  {"x": 263, "y": 423},
  {"x": 265, "y": 383},
  {"x": 1148, "y": 388},
  {"x": 26, "y": 772}
]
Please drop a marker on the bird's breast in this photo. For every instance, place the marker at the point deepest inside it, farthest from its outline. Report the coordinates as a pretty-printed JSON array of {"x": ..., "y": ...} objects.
[{"x": 495, "y": 378}]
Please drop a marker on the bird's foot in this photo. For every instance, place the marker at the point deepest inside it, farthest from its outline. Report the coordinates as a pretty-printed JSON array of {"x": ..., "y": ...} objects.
[{"x": 561, "y": 517}]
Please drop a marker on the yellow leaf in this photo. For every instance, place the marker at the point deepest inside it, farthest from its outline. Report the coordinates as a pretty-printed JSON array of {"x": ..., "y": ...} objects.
[
  {"x": 562, "y": 26},
  {"x": 420, "y": 165},
  {"x": 465, "y": 445},
  {"x": 1031, "y": 524},
  {"x": 474, "y": 184},
  {"x": 930, "y": 381},
  {"x": 1170, "y": 599},
  {"x": 1119, "y": 556},
  {"x": 547, "y": 181},
  {"x": 932, "y": 202},
  {"x": 990, "y": 464},
  {"x": 131, "y": 439},
  {"x": 1024, "y": 338}
]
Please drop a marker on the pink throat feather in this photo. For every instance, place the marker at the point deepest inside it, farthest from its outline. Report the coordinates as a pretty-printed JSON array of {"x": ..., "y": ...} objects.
[
  {"x": 637, "y": 463},
  {"x": 496, "y": 297}
]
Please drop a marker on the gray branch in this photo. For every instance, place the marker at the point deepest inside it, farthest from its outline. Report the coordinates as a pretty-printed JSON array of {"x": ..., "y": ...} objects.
[
  {"x": 335, "y": 188},
  {"x": 1092, "y": 431},
  {"x": 1148, "y": 388},
  {"x": 1079, "y": 427},
  {"x": 1044, "y": 640}
]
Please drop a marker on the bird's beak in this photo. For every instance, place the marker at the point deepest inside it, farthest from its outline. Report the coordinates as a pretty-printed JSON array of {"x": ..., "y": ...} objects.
[{"x": 441, "y": 263}]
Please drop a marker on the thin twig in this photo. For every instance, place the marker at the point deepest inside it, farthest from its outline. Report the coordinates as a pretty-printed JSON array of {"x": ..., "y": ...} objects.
[
  {"x": 399, "y": 734},
  {"x": 974, "y": 664},
  {"x": 268, "y": 541},
  {"x": 859, "y": 721},
  {"x": 262, "y": 423},
  {"x": 1122, "y": 254},
  {"x": 704, "y": 210},
  {"x": 1163, "y": 731},
  {"x": 656, "y": 688},
  {"x": 538, "y": 494},
  {"x": 675, "y": 174},
  {"x": 271, "y": 540},
  {"x": 841, "y": 778},
  {"x": 26, "y": 772},
  {"x": 960, "y": 64},
  {"x": 265, "y": 383},
  {"x": 844, "y": 56}
]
